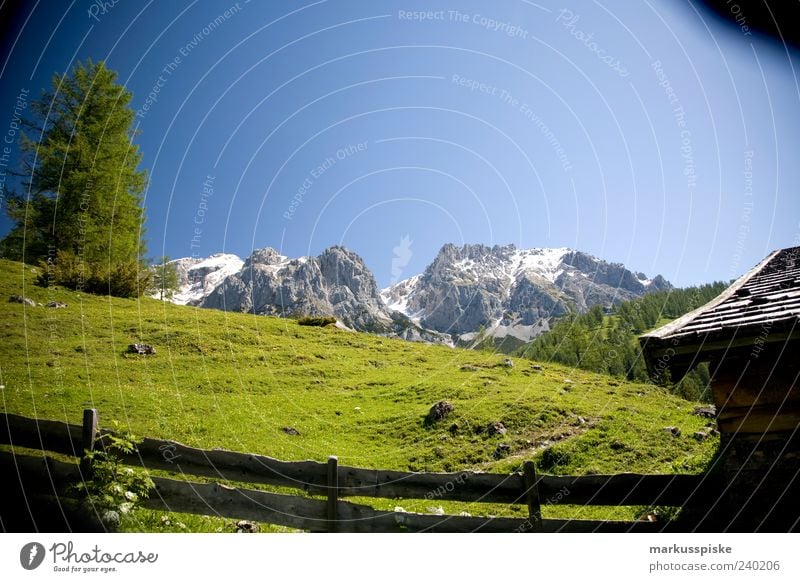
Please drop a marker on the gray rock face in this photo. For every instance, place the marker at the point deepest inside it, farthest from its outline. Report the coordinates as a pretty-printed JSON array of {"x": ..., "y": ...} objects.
[
  {"x": 467, "y": 294},
  {"x": 507, "y": 293},
  {"x": 336, "y": 283}
]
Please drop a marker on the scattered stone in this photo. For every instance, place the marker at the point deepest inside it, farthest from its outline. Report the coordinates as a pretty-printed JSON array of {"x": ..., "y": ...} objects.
[
  {"x": 673, "y": 430},
  {"x": 496, "y": 427},
  {"x": 469, "y": 368},
  {"x": 291, "y": 431},
  {"x": 581, "y": 420},
  {"x": 21, "y": 299},
  {"x": 568, "y": 381},
  {"x": 454, "y": 428},
  {"x": 141, "y": 349},
  {"x": 700, "y": 435},
  {"x": 438, "y": 411},
  {"x": 245, "y": 526},
  {"x": 399, "y": 509},
  {"x": 616, "y": 445},
  {"x": 465, "y": 514},
  {"x": 56, "y": 305},
  {"x": 436, "y": 510},
  {"x": 706, "y": 411},
  {"x": 502, "y": 450},
  {"x": 536, "y": 367},
  {"x": 508, "y": 363}
]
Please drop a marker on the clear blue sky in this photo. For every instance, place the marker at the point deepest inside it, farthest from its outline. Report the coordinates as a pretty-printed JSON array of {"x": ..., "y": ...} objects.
[{"x": 641, "y": 132}]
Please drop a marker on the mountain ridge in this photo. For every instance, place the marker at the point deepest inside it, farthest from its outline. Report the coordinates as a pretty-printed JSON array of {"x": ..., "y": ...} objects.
[{"x": 465, "y": 294}]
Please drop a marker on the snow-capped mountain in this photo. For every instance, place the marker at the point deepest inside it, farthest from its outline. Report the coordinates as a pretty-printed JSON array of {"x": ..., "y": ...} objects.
[
  {"x": 465, "y": 295},
  {"x": 510, "y": 294},
  {"x": 337, "y": 283}
]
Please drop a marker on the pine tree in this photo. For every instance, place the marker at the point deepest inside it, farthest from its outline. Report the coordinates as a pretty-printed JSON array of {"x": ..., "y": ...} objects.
[{"x": 81, "y": 213}]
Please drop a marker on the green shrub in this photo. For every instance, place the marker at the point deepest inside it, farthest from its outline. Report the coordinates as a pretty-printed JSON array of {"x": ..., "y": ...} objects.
[
  {"x": 119, "y": 280},
  {"x": 317, "y": 321}
]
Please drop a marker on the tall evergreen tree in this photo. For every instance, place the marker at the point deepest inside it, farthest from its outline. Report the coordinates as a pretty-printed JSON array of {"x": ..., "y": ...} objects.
[{"x": 81, "y": 207}]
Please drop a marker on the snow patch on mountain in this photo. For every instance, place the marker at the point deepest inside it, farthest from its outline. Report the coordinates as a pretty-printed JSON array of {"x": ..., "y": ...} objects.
[{"x": 197, "y": 277}]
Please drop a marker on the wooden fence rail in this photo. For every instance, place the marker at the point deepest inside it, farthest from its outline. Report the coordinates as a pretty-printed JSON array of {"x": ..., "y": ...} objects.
[{"x": 334, "y": 482}]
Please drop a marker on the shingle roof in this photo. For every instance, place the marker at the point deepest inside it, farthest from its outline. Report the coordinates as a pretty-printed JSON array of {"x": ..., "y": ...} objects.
[{"x": 764, "y": 303}]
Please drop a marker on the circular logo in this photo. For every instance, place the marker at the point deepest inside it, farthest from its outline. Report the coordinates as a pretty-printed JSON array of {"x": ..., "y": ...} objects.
[{"x": 31, "y": 555}]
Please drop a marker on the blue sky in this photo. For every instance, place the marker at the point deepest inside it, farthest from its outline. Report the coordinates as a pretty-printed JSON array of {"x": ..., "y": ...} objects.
[{"x": 641, "y": 132}]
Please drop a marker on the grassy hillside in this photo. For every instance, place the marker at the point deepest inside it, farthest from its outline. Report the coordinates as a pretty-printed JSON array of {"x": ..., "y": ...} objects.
[{"x": 236, "y": 381}]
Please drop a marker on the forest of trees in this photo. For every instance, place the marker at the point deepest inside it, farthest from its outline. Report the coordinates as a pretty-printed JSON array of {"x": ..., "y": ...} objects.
[{"x": 608, "y": 344}]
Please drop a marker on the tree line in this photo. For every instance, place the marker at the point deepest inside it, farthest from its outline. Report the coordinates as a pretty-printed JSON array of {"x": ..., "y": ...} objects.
[{"x": 608, "y": 342}]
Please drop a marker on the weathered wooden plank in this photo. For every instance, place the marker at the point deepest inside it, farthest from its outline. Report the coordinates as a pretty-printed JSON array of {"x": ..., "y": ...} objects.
[
  {"x": 759, "y": 419},
  {"x": 226, "y": 465},
  {"x": 48, "y": 435},
  {"x": 621, "y": 489},
  {"x": 462, "y": 486},
  {"x": 305, "y": 513}
]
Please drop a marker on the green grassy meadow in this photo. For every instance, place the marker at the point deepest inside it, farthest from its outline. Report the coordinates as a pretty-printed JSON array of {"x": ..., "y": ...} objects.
[{"x": 236, "y": 381}]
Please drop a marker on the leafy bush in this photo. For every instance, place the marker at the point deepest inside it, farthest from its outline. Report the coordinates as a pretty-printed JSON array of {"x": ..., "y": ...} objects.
[
  {"x": 113, "y": 490},
  {"x": 317, "y": 321},
  {"x": 119, "y": 280}
]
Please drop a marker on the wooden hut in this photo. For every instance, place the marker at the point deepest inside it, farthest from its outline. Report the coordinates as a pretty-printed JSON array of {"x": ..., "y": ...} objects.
[{"x": 750, "y": 337}]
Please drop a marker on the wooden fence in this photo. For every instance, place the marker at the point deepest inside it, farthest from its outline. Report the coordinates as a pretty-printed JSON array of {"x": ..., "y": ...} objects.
[{"x": 45, "y": 477}]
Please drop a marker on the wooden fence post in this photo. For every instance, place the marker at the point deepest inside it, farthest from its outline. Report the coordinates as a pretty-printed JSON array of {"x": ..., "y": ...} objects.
[
  {"x": 532, "y": 495},
  {"x": 88, "y": 434},
  {"x": 333, "y": 491}
]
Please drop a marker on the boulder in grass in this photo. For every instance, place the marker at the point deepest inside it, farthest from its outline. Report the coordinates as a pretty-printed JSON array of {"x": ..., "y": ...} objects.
[
  {"x": 706, "y": 411},
  {"x": 291, "y": 431},
  {"x": 141, "y": 349},
  {"x": 23, "y": 300},
  {"x": 56, "y": 305},
  {"x": 496, "y": 427},
  {"x": 438, "y": 412}
]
